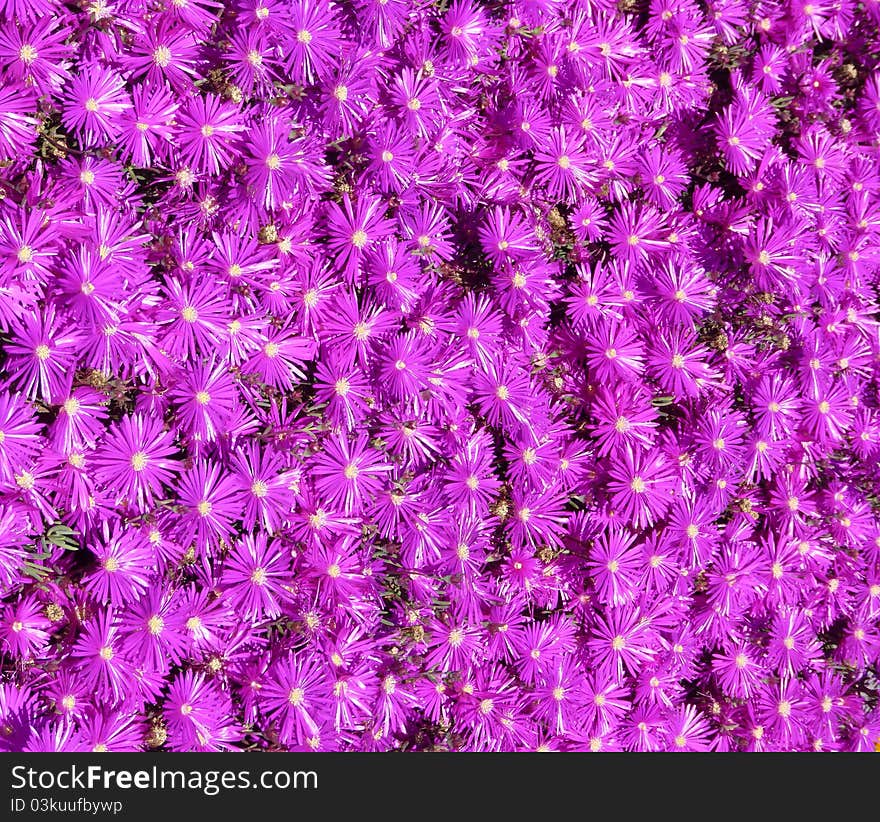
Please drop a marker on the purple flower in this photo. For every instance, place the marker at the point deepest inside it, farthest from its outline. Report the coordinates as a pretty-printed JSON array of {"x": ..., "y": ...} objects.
[{"x": 453, "y": 376}]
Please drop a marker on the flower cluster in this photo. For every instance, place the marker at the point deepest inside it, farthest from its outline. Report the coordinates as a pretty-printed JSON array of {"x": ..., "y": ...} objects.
[{"x": 445, "y": 375}]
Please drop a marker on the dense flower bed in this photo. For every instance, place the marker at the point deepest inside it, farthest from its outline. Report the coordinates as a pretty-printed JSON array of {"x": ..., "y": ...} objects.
[{"x": 439, "y": 375}]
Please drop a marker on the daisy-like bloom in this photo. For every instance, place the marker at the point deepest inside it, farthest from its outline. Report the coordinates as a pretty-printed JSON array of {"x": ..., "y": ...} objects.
[
  {"x": 338, "y": 572},
  {"x": 280, "y": 358},
  {"x": 344, "y": 389},
  {"x": 97, "y": 657},
  {"x": 133, "y": 460},
  {"x": 503, "y": 394},
  {"x": 614, "y": 352},
  {"x": 252, "y": 60},
  {"x": 146, "y": 128},
  {"x": 737, "y": 671},
  {"x": 743, "y": 130},
  {"x": 621, "y": 641},
  {"x": 466, "y": 32},
  {"x": 641, "y": 487},
  {"x": 414, "y": 95},
  {"x": 106, "y": 730},
  {"x": 206, "y": 398},
  {"x": 91, "y": 288},
  {"x": 255, "y": 575},
  {"x": 206, "y": 619},
  {"x": 197, "y": 715},
  {"x": 98, "y": 181},
  {"x": 679, "y": 364},
  {"x": 354, "y": 327},
  {"x": 382, "y": 19},
  {"x": 295, "y": 695},
  {"x": 23, "y": 629},
  {"x": 452, "y": 647},
  {"x": 793, "y": 645},
  {"x": 470, "y": 483},
  {"x": 615, "y": 563},
  {"x": 829, "y": 414},
  {"x": 18, "y": 710},
  {"x": 781, "y": 709},
  {"x": 41, "y": 355},
  {"x": 563, "y": 166},
  {"x": 533, "y": 462},
  {"x": 239, "y": 261},
  {"x": 211, "y": 503},
  {"x": 404, "y": 366},
  {"x": 688, "y": 730},
  {"x": 313, "y": 40},
  {"x": 519, "y": 384},
  {"x": 537, "y": 518},
  {"x": 164, "y": 52},
  {"x": 17, "y": 125},
  {"x": 353, "y": 229},
  {"x": 349, "y": 93},
  {"x": 267, "y": 489},
  {"x": 664, "y": 177},
  {"x": 26, "y": 249},
  {"x": 124, "y": 566},
  {"x": 153, "y": 631},
  {"x": 37, "y": 54},
  {"x": 636, "y": 234},
  {"x": 193, "y": 316},
  {"x": 428, "y": 231},
  {"x": 54, "y": 738},
  {"x": 624, "y": 418},
  {"x": 208, "y": 133},
  {"x": 348, "y": 473},
  {"x": 69, "y": 695},
  {"x": 507, "y": 237},
  {"x": 479, "y": 326},
  {"x": 95, "y": 102},
  {"x": 392, "y": 158},
  {"x": 19, "y": 434},
  {"x": 682, "y": 293},
  {"x": 277, "y": 167}
]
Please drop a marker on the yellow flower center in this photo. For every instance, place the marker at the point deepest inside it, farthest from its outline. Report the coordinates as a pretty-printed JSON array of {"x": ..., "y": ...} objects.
[{"x": 162, "y": 56}]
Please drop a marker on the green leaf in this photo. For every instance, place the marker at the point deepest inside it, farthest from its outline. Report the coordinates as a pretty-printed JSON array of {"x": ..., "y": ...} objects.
[
  {"x": 37, "y": 572},
  {"x": 61, "y": 536}
]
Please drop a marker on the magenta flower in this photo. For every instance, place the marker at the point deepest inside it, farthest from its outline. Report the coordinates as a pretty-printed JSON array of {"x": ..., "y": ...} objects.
[
  {"x": 123, "y": 570},
  {"x": 98, "y": 657},
  {"x": 294, "y": 695},
  {"x": 207, "y": 133},
  {"x": 255, "y": 577},
  {"x": 133, "y": 460},
  {"x": 391, "y": 375},
  {"x": 41, "y": 354},
  {"x": 95, "y": 102}
]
